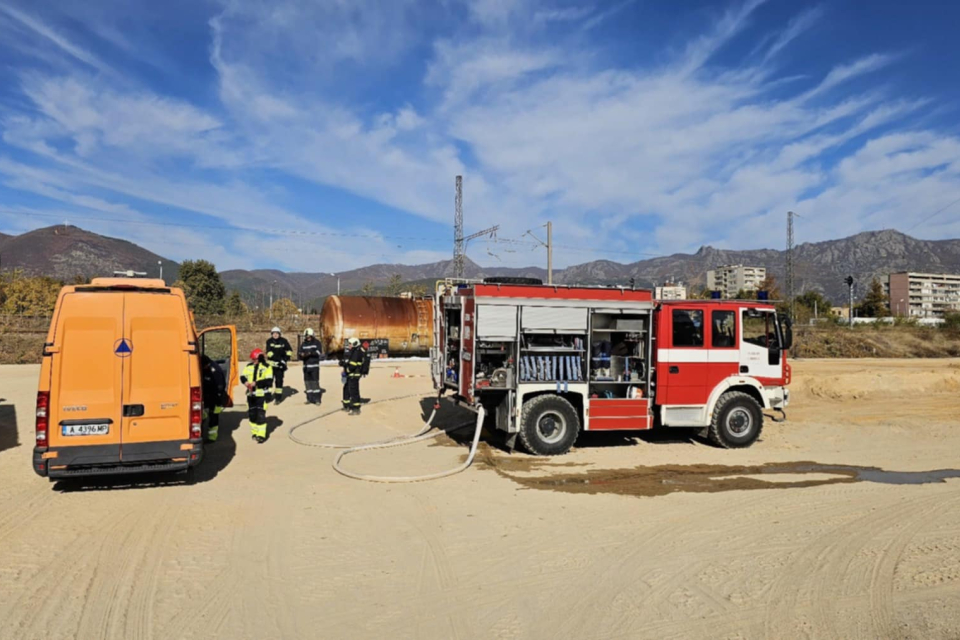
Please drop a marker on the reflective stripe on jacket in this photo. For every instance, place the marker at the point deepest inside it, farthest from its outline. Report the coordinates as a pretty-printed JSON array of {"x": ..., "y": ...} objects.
[
  {"x": 261, "y": 375},
  {"x": 278, "y": 351},
  {"x": 310, "y": 353},
  {"x": 354, "y": 360}
]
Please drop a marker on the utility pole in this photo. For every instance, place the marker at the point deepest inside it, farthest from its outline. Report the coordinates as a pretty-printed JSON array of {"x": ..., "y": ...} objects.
[
  {"x": 160, "y": 262},
  {"x": 849, "y": 281},
  {"x": 549, "y": 253},
  {"x": 338, "y": 282},
  {"x": 549, "y": 245},
  {"x": 458, "y": 241},
  {"x": 790, "y": 294}
]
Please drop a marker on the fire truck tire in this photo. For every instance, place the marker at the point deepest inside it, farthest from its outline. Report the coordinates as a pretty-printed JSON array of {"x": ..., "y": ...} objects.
[
  {"x": 549, "y": 426},
  {"x": 737, "y": 421}
]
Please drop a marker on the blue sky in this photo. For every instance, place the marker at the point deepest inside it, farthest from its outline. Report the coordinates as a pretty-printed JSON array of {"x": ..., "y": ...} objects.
[{"x": 323, "y": 135}]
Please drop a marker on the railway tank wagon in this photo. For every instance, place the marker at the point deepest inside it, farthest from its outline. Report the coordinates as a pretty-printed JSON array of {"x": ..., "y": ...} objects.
[{"x": 403, "y": 325}]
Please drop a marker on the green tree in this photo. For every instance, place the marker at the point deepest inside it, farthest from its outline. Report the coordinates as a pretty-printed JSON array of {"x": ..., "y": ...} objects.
[
  {"x": 743, "y": 294},
  {"x": 284, "y": 308},
  {"x": 810, "y": 304},
  {"x": 367, "y": 288},
  {"x": 951, "y": 322},
  {"x": 874, "y": 304},
  {"x": 395, "y": 286},
  {"x": 203, "y": 287},
  {"x": 419, "y": 291},
  {"x": 235, "y": 306},
  {"x": 29, "y": 295}
]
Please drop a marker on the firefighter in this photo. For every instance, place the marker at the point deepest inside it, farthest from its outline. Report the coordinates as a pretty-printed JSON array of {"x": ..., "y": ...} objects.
[
  {"x": 310, "y": 355},
  {"x": 279, "y": 353},
  {"x": 258, "y": 378},
  {"x": 355, "y": 365},
  {"x": 214, "y": 387}
]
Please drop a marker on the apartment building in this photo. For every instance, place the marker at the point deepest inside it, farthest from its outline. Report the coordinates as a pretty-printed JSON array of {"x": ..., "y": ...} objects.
[
  {"x": 923, "y": 295},
  {"x": 730, "y": 279}
]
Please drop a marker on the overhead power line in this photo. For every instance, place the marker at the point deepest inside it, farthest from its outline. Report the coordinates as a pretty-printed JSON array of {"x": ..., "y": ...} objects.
[
  {"x": 933, "y": 215},
  {"x": 221, "y": 227}
]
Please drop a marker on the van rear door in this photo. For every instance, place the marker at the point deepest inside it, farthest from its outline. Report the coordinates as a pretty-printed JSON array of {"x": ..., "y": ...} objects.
[
  {"x": 156, "y": 385},
  {"x": 87, "y": 363},
  {"x": 220, "y": 345}
]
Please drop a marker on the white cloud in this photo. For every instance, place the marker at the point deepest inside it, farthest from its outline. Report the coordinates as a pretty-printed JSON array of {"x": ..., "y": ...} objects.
[
  {"x": 52, "y": 37},
  {"x": 538, "y": 125}
]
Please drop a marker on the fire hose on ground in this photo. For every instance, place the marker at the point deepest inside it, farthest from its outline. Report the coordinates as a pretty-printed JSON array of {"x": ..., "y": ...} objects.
[{"x": 398, "y": 441}]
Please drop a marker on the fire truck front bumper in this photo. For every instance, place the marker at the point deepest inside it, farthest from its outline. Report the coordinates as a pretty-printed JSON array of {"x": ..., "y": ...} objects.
[{"x": 777, "y": 397}]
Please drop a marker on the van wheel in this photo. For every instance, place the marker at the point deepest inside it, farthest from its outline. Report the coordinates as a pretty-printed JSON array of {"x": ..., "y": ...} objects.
[
  {"x": 549, "y": 426},
  {"x": 737, "y": 421}
]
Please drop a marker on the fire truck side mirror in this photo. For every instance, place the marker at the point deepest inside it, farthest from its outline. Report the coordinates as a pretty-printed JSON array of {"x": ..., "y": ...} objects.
[{"x": 786, "y": 327}]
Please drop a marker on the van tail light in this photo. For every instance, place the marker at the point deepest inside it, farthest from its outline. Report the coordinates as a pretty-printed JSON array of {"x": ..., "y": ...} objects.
[
  {"x": 43, "y": 418},
  {"x": 196, "y": 412}
]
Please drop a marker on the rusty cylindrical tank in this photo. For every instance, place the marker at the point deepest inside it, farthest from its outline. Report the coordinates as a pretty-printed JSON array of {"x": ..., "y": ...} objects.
[{"x": 406, "y": 322}]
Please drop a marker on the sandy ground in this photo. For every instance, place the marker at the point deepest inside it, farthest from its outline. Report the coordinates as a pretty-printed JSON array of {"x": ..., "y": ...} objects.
[{"x": 659, "y": 537}]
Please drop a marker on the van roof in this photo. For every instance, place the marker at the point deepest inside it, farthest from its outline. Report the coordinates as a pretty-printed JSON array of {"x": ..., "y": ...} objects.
[{"x": 124, "y": 283}]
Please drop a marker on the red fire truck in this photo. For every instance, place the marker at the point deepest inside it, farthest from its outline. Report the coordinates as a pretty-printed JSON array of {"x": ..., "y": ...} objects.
[{"x": 552, "y": 361}]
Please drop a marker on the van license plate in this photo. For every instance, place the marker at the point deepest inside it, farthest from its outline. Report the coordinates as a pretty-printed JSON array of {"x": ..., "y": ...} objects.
[{"x": 86, "y": 429}]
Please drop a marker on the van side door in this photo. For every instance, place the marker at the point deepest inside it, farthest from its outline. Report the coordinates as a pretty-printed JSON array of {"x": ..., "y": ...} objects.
[{"x": 220, "y": 345}]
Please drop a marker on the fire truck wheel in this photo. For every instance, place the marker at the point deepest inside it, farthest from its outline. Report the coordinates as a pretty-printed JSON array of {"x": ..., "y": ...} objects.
[
  {"x": 737, "y": 421},
  {"x": 549, "y": 426}
]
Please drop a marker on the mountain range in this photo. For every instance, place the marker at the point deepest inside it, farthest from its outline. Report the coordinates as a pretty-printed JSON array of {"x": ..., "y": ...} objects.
[{"x": 65, "y": 252}]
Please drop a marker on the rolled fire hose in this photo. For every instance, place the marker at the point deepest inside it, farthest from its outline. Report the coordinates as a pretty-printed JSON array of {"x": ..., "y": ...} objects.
[{"x": 393, "y": 442}]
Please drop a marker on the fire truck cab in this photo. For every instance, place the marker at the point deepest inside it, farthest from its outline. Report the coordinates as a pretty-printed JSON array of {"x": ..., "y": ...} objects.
[{"x": 552, "y": 361}]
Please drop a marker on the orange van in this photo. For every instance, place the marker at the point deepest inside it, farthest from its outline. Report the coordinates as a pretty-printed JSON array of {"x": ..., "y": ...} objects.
[{"x": 120, "y": 381}]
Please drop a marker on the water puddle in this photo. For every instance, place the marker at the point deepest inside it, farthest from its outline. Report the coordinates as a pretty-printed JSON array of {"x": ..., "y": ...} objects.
[{"x": 703, "y": 478}]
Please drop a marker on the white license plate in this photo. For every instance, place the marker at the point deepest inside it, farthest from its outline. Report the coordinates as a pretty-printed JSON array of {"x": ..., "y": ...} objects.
[{"x": 86, "y": 429}]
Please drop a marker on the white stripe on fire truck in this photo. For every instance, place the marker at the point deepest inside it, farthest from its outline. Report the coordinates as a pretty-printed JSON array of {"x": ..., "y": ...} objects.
[{"x": 699, "y": 355}]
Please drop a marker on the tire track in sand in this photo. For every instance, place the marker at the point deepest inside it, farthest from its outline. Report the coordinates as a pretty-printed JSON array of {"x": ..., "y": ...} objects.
[
  {"x": 58, "y": 580},
  {"x": 820, "y": 567},
  {"x": 113, "y": 598}
]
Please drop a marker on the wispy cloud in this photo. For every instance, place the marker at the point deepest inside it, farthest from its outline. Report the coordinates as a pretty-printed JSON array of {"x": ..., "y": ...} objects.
[
  {"x": 305, "y": 107},
  {"x": 49, "y": 35}
]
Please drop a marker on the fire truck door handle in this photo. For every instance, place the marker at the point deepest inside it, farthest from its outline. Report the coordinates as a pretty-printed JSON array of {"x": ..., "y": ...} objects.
[
  {"x": 744, "y": 369},
  {"x": 674, "y": 369}
]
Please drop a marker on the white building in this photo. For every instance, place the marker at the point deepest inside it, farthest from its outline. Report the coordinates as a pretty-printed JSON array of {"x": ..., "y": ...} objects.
[
  {"x": 923, "y": 295},
  {"x": 730, "y": 279},
  {"x": 670, "y": 292}
]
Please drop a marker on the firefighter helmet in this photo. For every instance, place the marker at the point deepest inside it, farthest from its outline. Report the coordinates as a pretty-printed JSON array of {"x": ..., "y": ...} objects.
[
  {"x": 255, "y": 354},
  {"x": 275, "y": 330}
]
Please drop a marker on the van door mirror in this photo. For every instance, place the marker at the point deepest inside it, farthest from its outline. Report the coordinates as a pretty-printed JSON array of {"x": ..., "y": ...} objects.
[{"x": 220, "y": 345}]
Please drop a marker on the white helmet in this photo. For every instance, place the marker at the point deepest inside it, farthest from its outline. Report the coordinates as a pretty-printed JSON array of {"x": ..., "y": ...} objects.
[
  {"x": 275, "y": 330},
  {"x": 353, "y": 342},
  {"x": 308, "y": 331}
]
